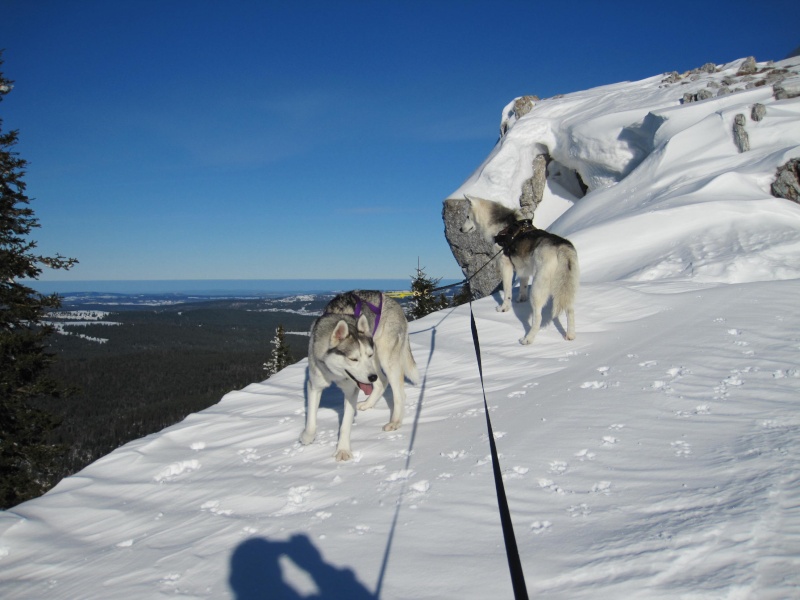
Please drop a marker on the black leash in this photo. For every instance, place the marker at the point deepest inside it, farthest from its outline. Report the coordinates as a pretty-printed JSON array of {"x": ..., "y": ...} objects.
[
  {"x": 505, "y": 239},
  {"x": 468, "y": 279},
  {"x": 514, "y": 563}
]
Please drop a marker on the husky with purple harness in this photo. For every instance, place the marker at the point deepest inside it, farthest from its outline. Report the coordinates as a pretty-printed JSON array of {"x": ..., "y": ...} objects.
[{"x": 360, "y": 343}]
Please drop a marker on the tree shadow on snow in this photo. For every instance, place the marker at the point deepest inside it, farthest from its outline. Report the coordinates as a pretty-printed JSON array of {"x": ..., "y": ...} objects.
[{"x": 256, "y": 572}]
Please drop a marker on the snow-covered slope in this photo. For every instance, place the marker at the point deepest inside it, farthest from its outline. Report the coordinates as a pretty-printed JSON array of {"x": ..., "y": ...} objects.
[
  {"x": 664, "y": 176},
  {"x": 653, "y": 457}
]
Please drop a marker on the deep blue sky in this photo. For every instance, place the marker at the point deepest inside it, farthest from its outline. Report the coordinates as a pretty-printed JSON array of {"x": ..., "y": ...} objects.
[{"x": 189, "y": 139}]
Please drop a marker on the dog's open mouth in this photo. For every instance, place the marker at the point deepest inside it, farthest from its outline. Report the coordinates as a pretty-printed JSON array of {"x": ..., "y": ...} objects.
[{"x": 364, "y": 387}]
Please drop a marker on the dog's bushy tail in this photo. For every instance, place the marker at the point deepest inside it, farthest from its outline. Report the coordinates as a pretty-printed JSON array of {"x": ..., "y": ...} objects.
[{"x": 565, "y": 287}]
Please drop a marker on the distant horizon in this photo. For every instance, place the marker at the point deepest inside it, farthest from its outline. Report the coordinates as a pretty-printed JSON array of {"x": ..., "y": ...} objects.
[
  {"x": 216, "y": 286},
  {"x": 172, "y": 139}
]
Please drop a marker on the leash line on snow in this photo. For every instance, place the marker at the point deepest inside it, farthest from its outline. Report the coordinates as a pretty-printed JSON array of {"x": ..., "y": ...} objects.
[{"x": 512, "y": 553}]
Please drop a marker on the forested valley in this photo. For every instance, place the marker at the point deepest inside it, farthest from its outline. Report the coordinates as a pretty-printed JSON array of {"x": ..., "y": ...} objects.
[{"x": 158, "y": 365}]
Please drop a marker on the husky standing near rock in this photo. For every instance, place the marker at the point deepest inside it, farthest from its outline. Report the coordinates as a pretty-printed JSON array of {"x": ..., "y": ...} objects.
[
  {"x": 360, "y": 343},
  {"x": 551, "y": 260}
]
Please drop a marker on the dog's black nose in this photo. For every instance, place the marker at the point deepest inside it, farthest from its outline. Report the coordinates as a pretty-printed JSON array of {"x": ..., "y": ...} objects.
[{"x": 372, "y": 378}]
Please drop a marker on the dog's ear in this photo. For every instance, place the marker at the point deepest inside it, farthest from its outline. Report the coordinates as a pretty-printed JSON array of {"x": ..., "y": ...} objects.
[
  {"x": 340, "y": 332},
  {"x": 363, "y": 325}
]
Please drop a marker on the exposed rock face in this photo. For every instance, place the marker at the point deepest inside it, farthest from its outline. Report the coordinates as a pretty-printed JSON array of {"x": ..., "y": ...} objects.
[
  {"x": 748, "y": 67},
  {"x": 787, "y": 88},
  {"x": 521, "y": 107},
  {"x": 470, "y": 250},
  {"x": 740, "y": 137},
  {"x": 749, "y": 75},
  {"x": 505, "y": 180},
  {"x": 533, "y": 188},
  {"x": 787, "y": 181}
]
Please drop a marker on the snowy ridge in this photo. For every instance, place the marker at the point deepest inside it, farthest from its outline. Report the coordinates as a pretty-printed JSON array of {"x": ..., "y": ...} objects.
[
  {"x": 653, "y": 457},
  {"x": 657, "y": 169}
]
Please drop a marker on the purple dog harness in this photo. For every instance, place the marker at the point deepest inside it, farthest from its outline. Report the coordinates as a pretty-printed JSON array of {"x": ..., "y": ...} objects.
[{"x": 375, "y": 309}]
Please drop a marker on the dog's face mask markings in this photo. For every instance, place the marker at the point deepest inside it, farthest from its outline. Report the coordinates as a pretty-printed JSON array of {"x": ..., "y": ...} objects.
[{"x": 354, "y": 354}]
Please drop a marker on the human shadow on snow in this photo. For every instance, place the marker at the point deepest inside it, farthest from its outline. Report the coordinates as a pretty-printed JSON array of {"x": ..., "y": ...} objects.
[{"x": 256, "y": 572}]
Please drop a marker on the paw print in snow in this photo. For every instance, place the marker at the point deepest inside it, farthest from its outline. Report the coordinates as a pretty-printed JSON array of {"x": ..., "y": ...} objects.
[
  {"x": 538, "y": 527},
  {"x": 681, "y": 448}
]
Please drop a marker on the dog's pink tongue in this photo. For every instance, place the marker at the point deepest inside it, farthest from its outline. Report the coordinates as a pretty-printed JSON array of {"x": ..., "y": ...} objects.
[{"x": 365, "y": 387}]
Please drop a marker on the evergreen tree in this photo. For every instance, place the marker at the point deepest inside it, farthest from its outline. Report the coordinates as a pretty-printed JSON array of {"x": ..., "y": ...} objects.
[
  {"x": 424, "y": 302},
  {"x": 26, "y": 461},
  {"x": 463, "y": 295},
  {"x": 281, "y": 355}
]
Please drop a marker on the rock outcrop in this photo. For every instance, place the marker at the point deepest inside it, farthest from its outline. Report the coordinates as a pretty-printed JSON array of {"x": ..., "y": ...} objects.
[
  {"x": 533, "y": 188},
  {"x": 470, "y": 250},
  {"x": 740, "y": 137},
  {"x": 759, "y": 112},
  {"x": 787, "y": 88},
  {"x": 787, "y": 181},
  {"x": 544, "y": 157}
]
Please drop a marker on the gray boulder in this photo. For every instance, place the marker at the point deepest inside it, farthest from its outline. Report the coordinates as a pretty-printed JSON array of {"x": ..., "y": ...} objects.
[
  {"x": 470, "y": 250},
  {"x": 522, "y": 106},
  {"x": 740, "y": 137},
  {"x": 788, "y": 88},
  {"x": 787, "y": 181},
  {"x": 748, "y": 67},
  {"x": 533, "y": 188},
  {"x": 759, "y": 112}
]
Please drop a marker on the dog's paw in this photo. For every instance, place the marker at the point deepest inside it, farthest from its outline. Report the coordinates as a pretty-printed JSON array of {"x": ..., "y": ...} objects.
[
  {"x": 504, "y": 307},
  {"x": 570, "y": 336},
  {"x": 392, "y": 426},
  {"x": 307, "y": 437},
  {"x": 342, "y": 455},
  {"x": 525, "y": 341},
  {"x": 364, "y": 405},
  {"x": 522, "y": 298}
]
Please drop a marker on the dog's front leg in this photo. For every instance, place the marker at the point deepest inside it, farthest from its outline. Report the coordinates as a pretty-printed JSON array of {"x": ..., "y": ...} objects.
[
  {"x": 343, "y": 451},
  {"x": 507, "y": 271},
  {"x": 313, "y": 394}
]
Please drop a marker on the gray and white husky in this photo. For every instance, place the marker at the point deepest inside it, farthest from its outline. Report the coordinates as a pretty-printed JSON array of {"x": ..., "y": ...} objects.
[
  {"x": 551, "y": 260},
  {"x": 360, "y": 343}
]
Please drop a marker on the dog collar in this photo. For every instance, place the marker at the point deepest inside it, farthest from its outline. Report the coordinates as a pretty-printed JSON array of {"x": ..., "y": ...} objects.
[{"x": 506, "y": 237}]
